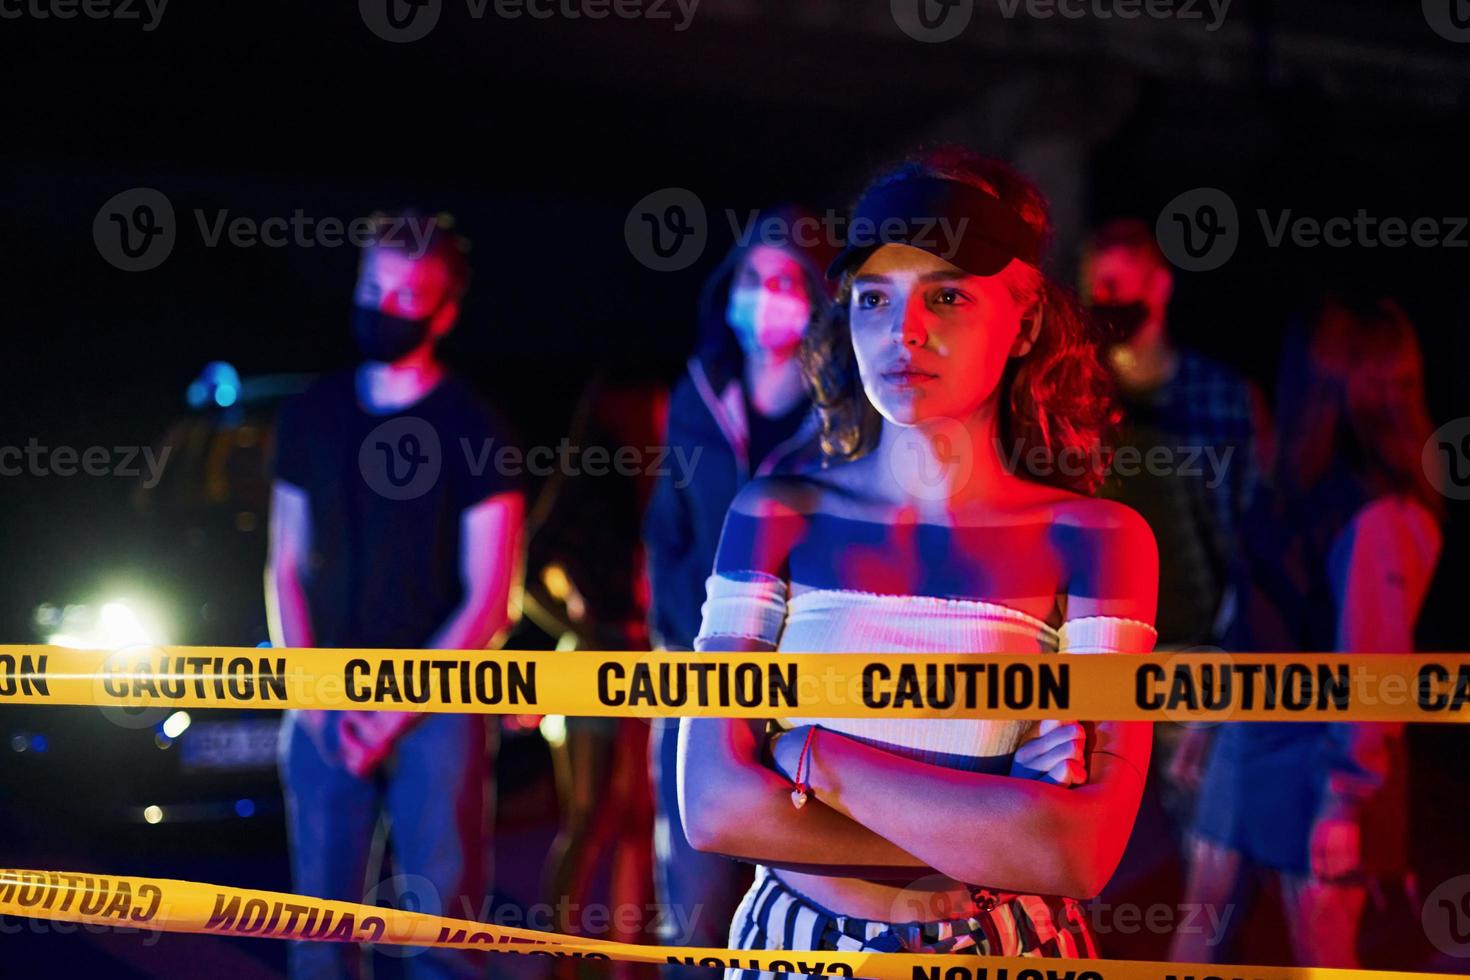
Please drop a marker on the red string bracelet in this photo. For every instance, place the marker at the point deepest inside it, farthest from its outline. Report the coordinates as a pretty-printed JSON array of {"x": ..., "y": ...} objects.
[{"x": 798, "y": 795}]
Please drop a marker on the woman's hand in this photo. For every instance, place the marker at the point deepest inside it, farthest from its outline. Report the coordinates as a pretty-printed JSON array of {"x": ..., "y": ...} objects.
[{"x": 1058, "y": 754}]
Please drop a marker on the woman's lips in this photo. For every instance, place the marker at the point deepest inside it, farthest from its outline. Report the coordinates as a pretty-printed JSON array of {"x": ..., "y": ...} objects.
[{"x": 908, "y": 377}]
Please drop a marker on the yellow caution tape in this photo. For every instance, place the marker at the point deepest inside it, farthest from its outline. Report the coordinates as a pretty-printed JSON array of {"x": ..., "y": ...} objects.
[
  {"x": 166, "y": 905},
  {"x": 1122, "y": 687}
]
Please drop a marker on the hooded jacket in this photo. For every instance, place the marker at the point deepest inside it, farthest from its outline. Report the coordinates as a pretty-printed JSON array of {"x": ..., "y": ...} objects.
[{"x": 708, "y": 423}]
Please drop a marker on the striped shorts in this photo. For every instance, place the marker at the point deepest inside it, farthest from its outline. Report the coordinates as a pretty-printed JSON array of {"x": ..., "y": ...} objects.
[{"x": 772, "y": 916}]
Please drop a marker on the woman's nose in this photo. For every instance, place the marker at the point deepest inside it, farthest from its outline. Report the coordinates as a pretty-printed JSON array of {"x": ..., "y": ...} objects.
[{"x": 913, "y": 328}]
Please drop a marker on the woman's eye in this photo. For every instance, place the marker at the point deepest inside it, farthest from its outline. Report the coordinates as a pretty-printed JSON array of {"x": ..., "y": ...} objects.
[
  {"x": 871, "y": 300},
  {"x": 946, "y": 296}
]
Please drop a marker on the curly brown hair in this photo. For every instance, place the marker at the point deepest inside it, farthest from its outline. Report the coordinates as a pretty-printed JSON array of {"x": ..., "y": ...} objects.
[{"x": 1061, "y": 404}]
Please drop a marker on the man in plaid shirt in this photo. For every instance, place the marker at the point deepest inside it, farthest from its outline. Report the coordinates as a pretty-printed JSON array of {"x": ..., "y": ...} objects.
[{"x": 1187, "y": 458}]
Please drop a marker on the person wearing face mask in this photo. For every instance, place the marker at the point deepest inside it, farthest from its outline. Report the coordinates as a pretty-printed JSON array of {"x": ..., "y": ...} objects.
[
  {"x": 385, "y": 533},
  {"x": 1188, "y": 460},
  {"x": 1194, "y": 414},
  {"x": 741, "y": 410}
]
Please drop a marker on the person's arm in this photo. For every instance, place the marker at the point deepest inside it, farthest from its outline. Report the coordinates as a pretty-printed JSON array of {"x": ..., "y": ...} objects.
[
  {"x": 730, "y": 800},
  {"x": 490, "y": 569},
  {"x": 1380, "y": 567},
  {"x": 287, "y": 615},
  {"x": 674, "y": 583},
  {"x": 1013, "y": 834},
  {"x": 733, "y": 803}
]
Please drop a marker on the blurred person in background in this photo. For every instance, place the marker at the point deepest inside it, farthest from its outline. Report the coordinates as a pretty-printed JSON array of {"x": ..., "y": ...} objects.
[
  {"x": 741, "y": 410},
  {"x": 1200, "y": 411},
  {"x": 588, "y": 588},
  {"x": 385, "y": 533},
  {"x": 1188, "y": 460},
  {"x": 1338, "y": 556}
]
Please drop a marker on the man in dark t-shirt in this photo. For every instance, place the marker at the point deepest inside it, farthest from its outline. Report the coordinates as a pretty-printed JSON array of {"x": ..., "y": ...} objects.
[{"x": 391, "y": 527}]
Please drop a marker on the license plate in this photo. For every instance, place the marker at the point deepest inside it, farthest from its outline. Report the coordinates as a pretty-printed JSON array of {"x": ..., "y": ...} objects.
[{"x": 229, "y": 745}]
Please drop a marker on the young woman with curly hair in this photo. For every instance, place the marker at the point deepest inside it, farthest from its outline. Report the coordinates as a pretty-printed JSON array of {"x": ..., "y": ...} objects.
[{"x": 965, "y": 415}]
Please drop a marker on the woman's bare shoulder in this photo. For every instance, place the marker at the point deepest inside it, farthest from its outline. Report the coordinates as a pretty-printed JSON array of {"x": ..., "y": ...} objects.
[
  {"x": 1076, "y": 510},
  {"x": 793, "y": 495}
]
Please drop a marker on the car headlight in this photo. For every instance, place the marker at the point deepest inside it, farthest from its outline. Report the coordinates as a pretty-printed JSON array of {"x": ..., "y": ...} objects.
[{"x": 110, "y": 625}]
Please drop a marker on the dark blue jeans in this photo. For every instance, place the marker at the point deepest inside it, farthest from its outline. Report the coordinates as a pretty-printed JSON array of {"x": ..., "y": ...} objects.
[
  {"x": 435, "y": 791},
  {"x": 698, "y": 890}
]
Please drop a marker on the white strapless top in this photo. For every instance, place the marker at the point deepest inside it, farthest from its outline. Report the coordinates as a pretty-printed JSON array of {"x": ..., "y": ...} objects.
[{"x": 757, "y": 606}]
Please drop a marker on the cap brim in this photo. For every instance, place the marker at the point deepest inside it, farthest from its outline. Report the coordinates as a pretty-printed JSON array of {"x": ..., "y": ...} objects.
[{"x": 977, "y": 257}]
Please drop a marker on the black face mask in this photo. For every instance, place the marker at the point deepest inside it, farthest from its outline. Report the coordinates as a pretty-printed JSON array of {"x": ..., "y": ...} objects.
[
  {"x": 384, "y": 337},
  {"x": 1118, "y": 323}
]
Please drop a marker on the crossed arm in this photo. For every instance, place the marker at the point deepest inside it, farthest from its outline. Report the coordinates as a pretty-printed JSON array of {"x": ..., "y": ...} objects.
[
  {"x": 886, "y": 815},
  {"x": 1014, "y": 834}
]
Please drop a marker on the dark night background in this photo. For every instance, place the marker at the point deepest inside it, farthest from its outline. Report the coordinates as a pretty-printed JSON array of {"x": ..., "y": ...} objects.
[{"x": 540, "y": 136}]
